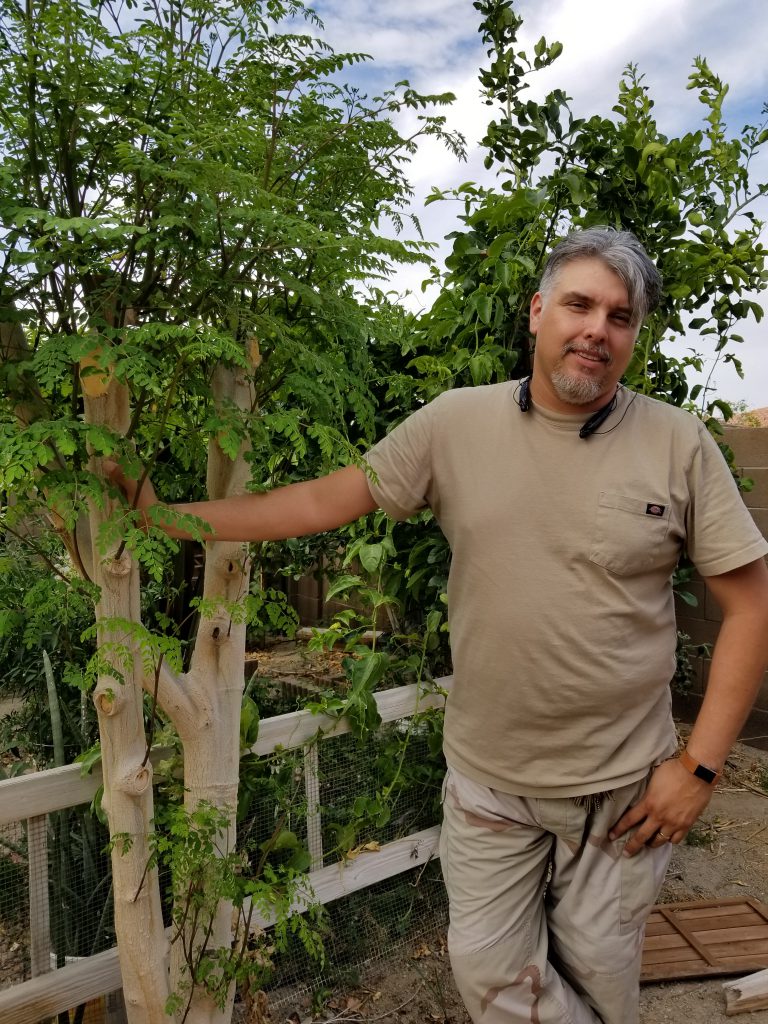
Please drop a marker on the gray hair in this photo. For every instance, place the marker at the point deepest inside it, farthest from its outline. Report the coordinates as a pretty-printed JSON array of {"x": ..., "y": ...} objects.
[{"x": 622, "y": 253}]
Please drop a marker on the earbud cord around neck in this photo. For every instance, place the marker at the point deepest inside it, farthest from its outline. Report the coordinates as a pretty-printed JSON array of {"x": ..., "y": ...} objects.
[{"x": 522, "y": 398}]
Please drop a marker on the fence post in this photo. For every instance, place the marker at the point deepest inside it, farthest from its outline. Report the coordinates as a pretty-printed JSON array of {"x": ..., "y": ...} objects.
[
  {"x": 39, "y": 909},
  {"x": 312, "y": 790}
]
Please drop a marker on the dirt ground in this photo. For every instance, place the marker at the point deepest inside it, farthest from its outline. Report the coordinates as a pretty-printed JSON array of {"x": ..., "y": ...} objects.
[{"x": 727, "y": 856}]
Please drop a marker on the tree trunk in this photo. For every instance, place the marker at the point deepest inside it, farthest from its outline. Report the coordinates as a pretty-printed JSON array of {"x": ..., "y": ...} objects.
[
  {"x": 212, "y": 752},
  {"x": 142, "y": 942},
  {"x": 216, "y": 677}
]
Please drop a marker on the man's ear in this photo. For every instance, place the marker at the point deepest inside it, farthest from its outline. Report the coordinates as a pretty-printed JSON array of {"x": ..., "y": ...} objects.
[{"x": 534, "y": 316}]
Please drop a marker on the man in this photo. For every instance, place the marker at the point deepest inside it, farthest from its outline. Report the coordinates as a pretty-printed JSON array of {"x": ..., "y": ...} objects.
[{"x": 567, "y": 501}]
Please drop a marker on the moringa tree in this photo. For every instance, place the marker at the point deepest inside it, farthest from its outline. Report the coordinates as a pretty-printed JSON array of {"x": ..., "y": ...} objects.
[{"x": 191, "y": 206}]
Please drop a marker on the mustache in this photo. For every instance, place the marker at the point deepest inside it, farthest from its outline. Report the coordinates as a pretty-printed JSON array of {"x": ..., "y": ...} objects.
[{"x": 595, "y": 351}]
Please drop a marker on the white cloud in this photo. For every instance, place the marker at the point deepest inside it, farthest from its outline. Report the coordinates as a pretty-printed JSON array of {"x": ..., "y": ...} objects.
[
  {"x": 424, "y": 36},
  {"x": 663, "y": 37}
]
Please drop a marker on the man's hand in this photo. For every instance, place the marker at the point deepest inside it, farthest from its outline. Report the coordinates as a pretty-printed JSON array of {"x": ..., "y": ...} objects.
[
  {"x": 671, "y": 804},
  {"x": 142, "y": 500}
]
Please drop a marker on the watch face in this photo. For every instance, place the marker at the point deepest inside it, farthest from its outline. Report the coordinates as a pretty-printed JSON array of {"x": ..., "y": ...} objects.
[{"x": 705, "y": 773}]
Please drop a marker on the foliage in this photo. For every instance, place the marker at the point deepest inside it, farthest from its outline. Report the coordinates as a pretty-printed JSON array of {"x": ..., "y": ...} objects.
[
  {"x": 13, "y": 875},
  {"x": 269, "y": 612},
  {"x": 81, "y": 903},
  {"x": 703, "y": 835},
  {"x": 686, "y": 673},
  {"x": 223, "y": 188},
  {"x": 187, "y": 844},
  {"x": 688, "y": 199},
  {"x": 43, "y": 606},
  {"x": 170, "y": 203},
  {"x": 190, "y": 189},
  {"x": 407, "y": 757}
]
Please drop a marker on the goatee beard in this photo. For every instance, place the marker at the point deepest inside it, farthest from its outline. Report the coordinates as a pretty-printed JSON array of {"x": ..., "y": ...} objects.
[{"x": 576, "y": 390}]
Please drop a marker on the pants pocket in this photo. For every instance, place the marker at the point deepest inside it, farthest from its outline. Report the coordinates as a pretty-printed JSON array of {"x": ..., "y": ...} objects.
[{"x": 641, "y": 880}]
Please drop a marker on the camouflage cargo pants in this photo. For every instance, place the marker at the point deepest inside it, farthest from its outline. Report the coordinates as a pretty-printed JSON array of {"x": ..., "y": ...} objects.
[{"x": 546, "y": 915}]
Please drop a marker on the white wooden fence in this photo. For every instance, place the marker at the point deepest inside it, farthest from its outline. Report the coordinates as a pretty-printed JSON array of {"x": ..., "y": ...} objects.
[{"x": 36, "y": 795}]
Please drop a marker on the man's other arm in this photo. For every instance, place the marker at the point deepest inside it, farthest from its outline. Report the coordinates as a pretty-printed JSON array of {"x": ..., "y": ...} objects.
[
  {"x": 675, "y": 798},
  {"x": 295, "y": 510}
]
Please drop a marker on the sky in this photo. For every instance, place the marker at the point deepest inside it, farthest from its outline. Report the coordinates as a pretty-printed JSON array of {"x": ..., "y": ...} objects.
[{"x": 435, "y": 44}]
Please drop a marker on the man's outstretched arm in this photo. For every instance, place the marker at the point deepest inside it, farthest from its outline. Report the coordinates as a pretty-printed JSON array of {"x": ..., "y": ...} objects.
[{"x": 291, "y": 511}]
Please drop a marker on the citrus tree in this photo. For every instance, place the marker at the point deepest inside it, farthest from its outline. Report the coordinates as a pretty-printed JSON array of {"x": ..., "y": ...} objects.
[{"x": 690, "y": 200}]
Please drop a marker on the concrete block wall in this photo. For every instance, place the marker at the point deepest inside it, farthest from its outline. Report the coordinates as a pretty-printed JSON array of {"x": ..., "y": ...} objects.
[
  {"x": 308, "y": 597},
  {"x": 702, "y": 623}
]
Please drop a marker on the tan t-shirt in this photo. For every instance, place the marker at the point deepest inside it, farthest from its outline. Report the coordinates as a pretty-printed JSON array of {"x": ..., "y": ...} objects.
[{"x": 562, "y": 618}]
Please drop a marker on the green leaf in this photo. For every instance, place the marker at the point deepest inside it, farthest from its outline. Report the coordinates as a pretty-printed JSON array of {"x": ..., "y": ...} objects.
[
  {"x": 371, "y": 556},
  {"x": 651, "y": 151},
  {"x": 89, "y": 759},
  {"x": 434, "y": 618},
  {"x": 285, "y": 840},
  {"x": 484, "y": 306},
  {"x": 343, "y": 584},
  {"x": 249, "y": 723}
]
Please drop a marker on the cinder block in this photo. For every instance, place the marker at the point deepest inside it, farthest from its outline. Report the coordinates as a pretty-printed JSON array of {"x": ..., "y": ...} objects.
[
  {"x": 683, "y": 610},
  {"x": 755, "y": 729},
  {"x": 750, "y": 445},
  {"x": 701, "y": 631},
  {"x": 758, "y": 496},
  {"x": 712, "y": 609},
  {"x": 700, "y": 667},
  {"x": 761, "y": 701},
  {"x": 697, "y": 588},
  {"x": 760, "y": 515}
]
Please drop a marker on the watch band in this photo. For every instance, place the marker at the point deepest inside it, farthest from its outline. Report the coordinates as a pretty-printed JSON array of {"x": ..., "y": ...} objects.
[{"x": 708, "y": 775}]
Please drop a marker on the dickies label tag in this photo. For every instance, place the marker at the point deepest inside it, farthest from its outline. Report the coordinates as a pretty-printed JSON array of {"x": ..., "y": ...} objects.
[{"x": 652, "y": 509}]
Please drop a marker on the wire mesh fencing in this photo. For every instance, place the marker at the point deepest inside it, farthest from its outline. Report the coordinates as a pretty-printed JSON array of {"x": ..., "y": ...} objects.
[
  {"x": 55, "y": 892},
  {"x": 369, "y": 805},
  {"x": 343, "y": 809}
]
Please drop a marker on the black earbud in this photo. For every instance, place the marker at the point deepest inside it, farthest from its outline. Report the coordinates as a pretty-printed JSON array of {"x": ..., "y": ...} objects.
[
  {"x": 525, "y": 395},
  {"x": 597, "y": 418},
  {"x": 594, "y": 421}
]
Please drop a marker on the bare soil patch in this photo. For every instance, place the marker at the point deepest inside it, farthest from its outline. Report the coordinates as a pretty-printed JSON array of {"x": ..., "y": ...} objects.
[{"x": 295, "y": 670}]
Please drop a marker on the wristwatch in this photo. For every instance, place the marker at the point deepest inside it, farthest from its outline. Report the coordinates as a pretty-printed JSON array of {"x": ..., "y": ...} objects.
[{"x": 708, "y": 775}]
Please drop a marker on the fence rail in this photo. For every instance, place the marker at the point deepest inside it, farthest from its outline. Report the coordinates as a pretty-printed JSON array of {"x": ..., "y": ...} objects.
[{"x": 42, "y": 793}]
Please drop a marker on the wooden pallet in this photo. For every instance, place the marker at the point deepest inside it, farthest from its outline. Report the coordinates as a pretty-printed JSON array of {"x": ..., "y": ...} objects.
[{"x": 706, "y": 937}]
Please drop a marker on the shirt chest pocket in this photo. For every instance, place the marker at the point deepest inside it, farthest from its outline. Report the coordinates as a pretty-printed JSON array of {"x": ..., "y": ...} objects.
[{"x": 629, "y": 534}]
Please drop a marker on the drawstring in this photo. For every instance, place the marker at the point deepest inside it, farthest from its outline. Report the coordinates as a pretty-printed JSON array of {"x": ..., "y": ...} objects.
[{"x": 591, "y": 802}]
